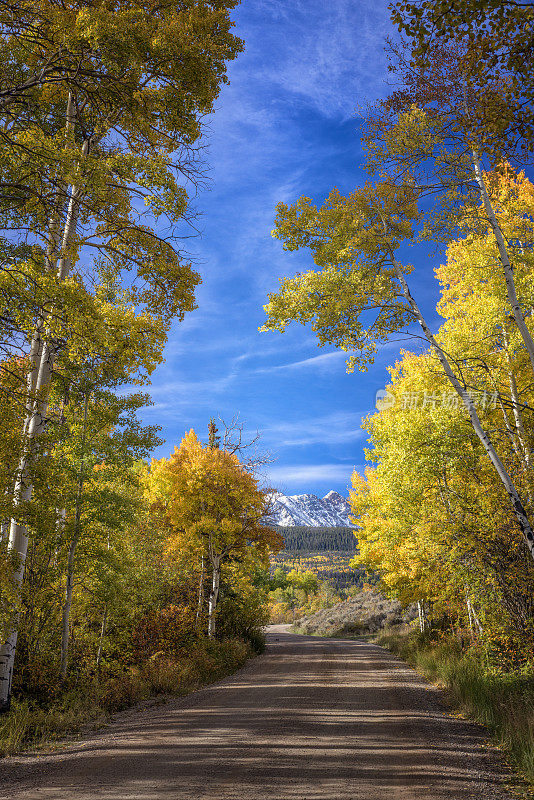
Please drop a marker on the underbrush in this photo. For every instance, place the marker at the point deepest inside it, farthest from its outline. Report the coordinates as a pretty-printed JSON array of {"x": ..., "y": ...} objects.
[
  {"x": 501, "y": 700},
  {"x": 31, "y": 722}
]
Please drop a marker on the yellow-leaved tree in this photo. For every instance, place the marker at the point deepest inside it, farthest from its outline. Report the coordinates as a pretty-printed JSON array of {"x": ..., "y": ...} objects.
[
  {"x": 432, "y": 519},
  {"x": 214, "y": 510},
  {"x": 361, "y": 294},
  {"x": 104, "y": 126}
]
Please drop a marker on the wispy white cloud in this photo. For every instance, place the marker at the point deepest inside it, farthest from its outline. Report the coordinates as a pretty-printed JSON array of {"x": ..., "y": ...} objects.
[
  {"x": 335, "y": 428},
  {"x": 330, "y": 57},
  {"x": 306, "y": 474},
  {"x": 324, "y": 361},
  {"x": 171, "y": 395}
]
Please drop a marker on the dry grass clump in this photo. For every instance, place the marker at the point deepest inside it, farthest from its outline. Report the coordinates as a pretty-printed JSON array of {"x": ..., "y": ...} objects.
[
  {"x": 501, "y": 700},
  {"x": 368, "y": 611}
]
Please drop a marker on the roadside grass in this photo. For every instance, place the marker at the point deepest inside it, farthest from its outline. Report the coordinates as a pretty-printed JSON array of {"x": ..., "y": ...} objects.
[
  {"x": 32, "y": 723},
  {"x": 502, "y": 701}
]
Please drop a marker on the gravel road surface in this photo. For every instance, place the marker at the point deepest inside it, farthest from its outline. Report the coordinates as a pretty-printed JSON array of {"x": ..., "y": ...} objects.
[{"x": 311, "y": 719}]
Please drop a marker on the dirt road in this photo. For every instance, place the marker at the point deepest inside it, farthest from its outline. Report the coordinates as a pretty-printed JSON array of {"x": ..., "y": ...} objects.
[{"x": 311, "y": 719}]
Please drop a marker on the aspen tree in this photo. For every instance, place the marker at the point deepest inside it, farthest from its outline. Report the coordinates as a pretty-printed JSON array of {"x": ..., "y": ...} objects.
[
  {"x": 354, "y": 241},
  {"x": 436, "y": 134},
  {"x": 213, "y": 506},
  {"x": 497, "y": 32},
  {"x": 135, "y": 82}
]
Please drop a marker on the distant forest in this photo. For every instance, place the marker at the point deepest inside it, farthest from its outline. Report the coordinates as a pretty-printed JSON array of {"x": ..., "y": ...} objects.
[{"x": 301, "y": 538}]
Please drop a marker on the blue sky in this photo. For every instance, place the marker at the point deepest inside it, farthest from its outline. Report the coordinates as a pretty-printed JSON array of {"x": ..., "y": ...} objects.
[{"x": 286, "y": 125}]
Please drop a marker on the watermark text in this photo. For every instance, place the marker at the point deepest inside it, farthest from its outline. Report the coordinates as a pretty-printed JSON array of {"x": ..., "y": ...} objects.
[{"x": 410, "y": 400}]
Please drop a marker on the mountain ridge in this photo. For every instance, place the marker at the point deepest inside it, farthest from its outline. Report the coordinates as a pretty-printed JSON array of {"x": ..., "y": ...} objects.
[{"x": 332, "y": 510}]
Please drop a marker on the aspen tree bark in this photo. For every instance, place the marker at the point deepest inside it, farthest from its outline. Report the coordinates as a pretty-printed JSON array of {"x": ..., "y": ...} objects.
[
  {"x": 200, "y": 590},
  {"x": 42, "y": 354},
  {"x": 422, "y": 615},
  {"x": 518, "y": 419},
  {"x": 516, "y": 408},
  {"x": 51, "y": 256},
  {"x": 512, "y": 435},
  {"x": 505, "y": 260},
  {"x": 18, "y": 535},
  {"x": 469, "y": 614},
  {"x": 214, "y": 594},
  {"x": 512, "y": 429},
  {"x": 473, "y": 616},
  {"x": 485, "y": 440},
  {"x": 67, "y": 606},
  {"x": 101, "y": 639}
]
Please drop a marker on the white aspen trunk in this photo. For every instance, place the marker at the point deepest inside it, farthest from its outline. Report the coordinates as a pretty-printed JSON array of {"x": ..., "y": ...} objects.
[
  {"x": 485, "y": 440},
  {"x": 34, "y": 423},
  {"x": 473, "y": 616},
  {"x": 505, "y": 260},
  {"x": 52, "y": 253},
  {"x": 516, "y": 408},
  {"x": 214, "y": 594},
  {"x": 518, "y": 419},
  {"x": 512, "y": 435},
  {"x": 515, "y": 431},
  {"x": 51, "y": 256},
  {"x": 67, "y": 607},
  {"x": 61, "y": 513},
  {"x": 101, "y": 639},
  {"x": 18, "y": 535},
  {"x": 200, "y": 590},
  {"x": 422, "y": 617},
  {"x": 469, "y": 614}
]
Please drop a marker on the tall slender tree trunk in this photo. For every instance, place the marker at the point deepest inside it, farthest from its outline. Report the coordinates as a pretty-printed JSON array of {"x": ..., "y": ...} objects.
[
  {"x": 67, "y": 606},
  {"x": 505, "y": 260},
  {"x": 200, "y": 591},
  {"x": 18, "y": 535},
  {"x": 516, "y": 408},
  {"x": 423, "y": 624},
  {"x": 474, "y": 621},
  {"x": 101, "y": 639},
  {"x": 73, "y": 545},
  {"x": 513, "y": 494},
  {"x": 469, "y": 614},
  {"x": 214, "y": 594},
  {"x": 42, "y": 354}
]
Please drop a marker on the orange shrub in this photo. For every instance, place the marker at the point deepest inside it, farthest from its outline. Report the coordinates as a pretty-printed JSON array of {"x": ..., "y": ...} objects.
[{"x": 167, "y": 631}]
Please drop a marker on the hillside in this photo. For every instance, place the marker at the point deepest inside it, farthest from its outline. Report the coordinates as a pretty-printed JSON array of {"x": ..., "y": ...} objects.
[
  {"x": 366, "y": 612},
  {"x": 304, "y": 538},
  {"x": 325, "y": 551}
]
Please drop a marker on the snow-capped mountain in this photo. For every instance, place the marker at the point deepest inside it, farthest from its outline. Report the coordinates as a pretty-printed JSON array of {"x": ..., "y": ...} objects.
[{"x": 308, "y": 509}]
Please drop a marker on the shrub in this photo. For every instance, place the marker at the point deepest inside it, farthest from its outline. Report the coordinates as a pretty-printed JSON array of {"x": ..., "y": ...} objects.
[
  {"x": 168, "y": 630},
  {"x": 208, "y": 661}
]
